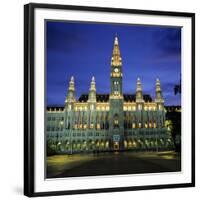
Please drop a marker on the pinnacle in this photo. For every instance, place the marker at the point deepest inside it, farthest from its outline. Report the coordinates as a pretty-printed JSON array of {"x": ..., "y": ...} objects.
[{"x": 72, "y": 78}]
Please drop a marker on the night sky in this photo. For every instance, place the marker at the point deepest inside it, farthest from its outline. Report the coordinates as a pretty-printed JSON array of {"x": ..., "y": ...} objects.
[{"x": 84, "y": 50}]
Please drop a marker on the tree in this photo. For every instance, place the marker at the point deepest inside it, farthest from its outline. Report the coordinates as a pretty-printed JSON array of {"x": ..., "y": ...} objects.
[{"x": 177, "y": 88}]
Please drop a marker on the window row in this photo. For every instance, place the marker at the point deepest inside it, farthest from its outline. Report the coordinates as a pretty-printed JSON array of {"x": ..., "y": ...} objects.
[
  {"x": 50, "y": 118},
  {"x": 49, "y": 128}
]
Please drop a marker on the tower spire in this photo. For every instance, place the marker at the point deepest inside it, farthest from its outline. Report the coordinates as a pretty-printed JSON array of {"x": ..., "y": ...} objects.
[
  {"x": 71, "y": 91},
  {"x": 116, "y": 57},
  {"x": 71, "y": 84},
  {"x": 92, "y": 92},
  {"x": 159, "y": 97},
  {"x": 139, "y": 96},
  {"x": 93, "y": 85}
]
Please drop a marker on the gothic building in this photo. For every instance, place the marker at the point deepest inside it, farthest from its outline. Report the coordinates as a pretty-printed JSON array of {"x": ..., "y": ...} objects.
[{"x": 109, "y": 122}]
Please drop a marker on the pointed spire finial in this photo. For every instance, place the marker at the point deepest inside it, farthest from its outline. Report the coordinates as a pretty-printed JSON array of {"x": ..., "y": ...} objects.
[
  {"x": 116, "y": 40},
  {"x": 93, "y": 84},
  {"x": 116, "y": 59},
  {"x": 158, "y": 82},
  {"x": 139, "y": 96},
  {"x": 71, "y": 91},
  {"x": 139, "y": 85},
  {"x": 71, "y": 83},
  {"x": 159, "y": 97}
]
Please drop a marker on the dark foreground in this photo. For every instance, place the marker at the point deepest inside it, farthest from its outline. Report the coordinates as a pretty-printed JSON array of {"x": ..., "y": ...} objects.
[{"x": 112, "y": 164}]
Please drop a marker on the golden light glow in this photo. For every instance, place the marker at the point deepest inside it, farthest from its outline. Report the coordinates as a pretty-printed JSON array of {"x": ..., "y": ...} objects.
[
  {"x": 98, "y": 126},
  {"x": 85, "y": 126},
  {"x": 125, "y": 108},
  {"x": 116, "y": 122},
  {"x": 139, "y": 107},
  {"x": 116, "y": 74}
]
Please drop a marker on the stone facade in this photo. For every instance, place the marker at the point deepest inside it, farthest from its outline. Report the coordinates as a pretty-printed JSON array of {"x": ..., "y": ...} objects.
[{"x": 109, "y": 122}]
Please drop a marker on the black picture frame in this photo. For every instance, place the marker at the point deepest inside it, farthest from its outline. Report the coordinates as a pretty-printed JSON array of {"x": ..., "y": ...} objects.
[{"x": 29, "y": 98}]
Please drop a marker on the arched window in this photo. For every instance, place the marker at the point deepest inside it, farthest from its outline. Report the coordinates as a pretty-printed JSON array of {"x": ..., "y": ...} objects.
[{"x": 116, "y": 121}]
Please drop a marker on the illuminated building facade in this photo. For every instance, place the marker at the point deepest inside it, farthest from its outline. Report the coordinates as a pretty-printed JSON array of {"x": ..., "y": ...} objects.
[{"x": 107, "y": 122}]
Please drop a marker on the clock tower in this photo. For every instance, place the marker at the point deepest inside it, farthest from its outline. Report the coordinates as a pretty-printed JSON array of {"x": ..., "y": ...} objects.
[
  {"x": 116, "y": 99},
  {"x": 116, "y": 72}
]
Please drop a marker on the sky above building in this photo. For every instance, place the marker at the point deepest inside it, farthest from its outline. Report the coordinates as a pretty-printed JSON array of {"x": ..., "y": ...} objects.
[{"x": 84, "y": 50}]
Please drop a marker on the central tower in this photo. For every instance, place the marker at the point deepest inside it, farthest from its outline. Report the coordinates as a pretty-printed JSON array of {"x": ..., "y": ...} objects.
[{"x": 116, "y": 99}]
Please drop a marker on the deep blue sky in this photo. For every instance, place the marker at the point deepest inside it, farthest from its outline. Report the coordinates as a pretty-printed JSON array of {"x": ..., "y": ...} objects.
[{"x": 84, "y": 50}]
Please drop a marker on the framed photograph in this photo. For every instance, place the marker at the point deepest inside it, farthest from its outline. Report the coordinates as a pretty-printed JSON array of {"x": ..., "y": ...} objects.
[{"x": 108, "y": 99}]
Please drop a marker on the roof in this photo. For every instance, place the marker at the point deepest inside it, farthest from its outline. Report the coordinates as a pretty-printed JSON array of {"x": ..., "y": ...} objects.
[{"x": 105, "y": 98}]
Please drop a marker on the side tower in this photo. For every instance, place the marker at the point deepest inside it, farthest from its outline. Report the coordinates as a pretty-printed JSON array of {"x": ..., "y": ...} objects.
[
  {"x": 160, "y": 105},
  {"x": 92, "y": 106},
  {"x": 116, "y": 119},
  {"x": 69, "y": 109},
  {"x": 139, "y": 105}
]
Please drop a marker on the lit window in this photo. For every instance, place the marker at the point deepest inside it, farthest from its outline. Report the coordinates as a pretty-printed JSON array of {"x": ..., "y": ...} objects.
[
  {"x": 92, "y": 125},
  {"x": 150, "y": 107},
  {"x": 116, "y": 122},
  {"x": 140, "y": 125},
  {"x": 150, "y": 125},
  {"x": 98, "y": 126},
  {"x": 116, "y": 82},
  {"x": 146, "y": 125},
  {"x": 69, "y": 107},
  {"x": 133, "y": 125},
  {"x": 116, "y": 92},
  {"x": 129, "y": 107},
  {"x": 139, "y": 107},
  {"x": 92, "y": 107},
  {"x": 85, "y": 126},
  {"x": 154, "y": 125}
]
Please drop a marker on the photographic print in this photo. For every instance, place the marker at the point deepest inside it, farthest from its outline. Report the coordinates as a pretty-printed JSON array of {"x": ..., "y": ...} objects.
[
  {"x": 108, "y": 99},
  {"x": 113, "y": 99}
]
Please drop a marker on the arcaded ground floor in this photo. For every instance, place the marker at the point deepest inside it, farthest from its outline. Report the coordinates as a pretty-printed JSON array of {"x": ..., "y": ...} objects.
[{"x": 112, "y": 163}]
